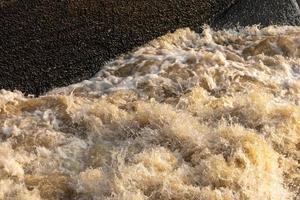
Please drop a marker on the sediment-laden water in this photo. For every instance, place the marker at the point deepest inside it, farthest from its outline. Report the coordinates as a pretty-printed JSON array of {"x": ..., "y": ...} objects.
[{"x": 188, "y": 116}]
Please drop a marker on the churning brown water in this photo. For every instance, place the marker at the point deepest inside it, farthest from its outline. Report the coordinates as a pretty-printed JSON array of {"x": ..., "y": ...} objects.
[{"x": 187, "y": 116}]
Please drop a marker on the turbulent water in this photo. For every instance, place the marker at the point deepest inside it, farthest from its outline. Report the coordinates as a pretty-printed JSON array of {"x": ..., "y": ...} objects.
[{"x": 206, "y": 116}]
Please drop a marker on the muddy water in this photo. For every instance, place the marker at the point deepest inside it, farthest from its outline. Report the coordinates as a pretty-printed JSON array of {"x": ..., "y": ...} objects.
[{"x": 188, "y": 116}]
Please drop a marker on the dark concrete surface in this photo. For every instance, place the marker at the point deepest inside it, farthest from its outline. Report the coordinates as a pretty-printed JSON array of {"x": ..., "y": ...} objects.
[
  {"x": 263, "y": 12},
  {"x": 51, "y": 43}
]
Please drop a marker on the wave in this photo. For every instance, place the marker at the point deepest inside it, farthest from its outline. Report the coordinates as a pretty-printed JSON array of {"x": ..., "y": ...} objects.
[{"x": 187, "y": 116}]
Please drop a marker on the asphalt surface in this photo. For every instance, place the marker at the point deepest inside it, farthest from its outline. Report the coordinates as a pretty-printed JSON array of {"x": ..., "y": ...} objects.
[{"x": 50, "y": 43}]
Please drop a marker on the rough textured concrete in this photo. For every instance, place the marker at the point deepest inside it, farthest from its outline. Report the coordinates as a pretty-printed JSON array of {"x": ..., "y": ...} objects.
[
  {"x": 50, "y": 43},
  {"x": 264, "y": 12}
]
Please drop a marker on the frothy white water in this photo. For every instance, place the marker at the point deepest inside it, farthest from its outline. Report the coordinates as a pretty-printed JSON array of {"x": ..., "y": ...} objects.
[{"x": 187, "y": 116}]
